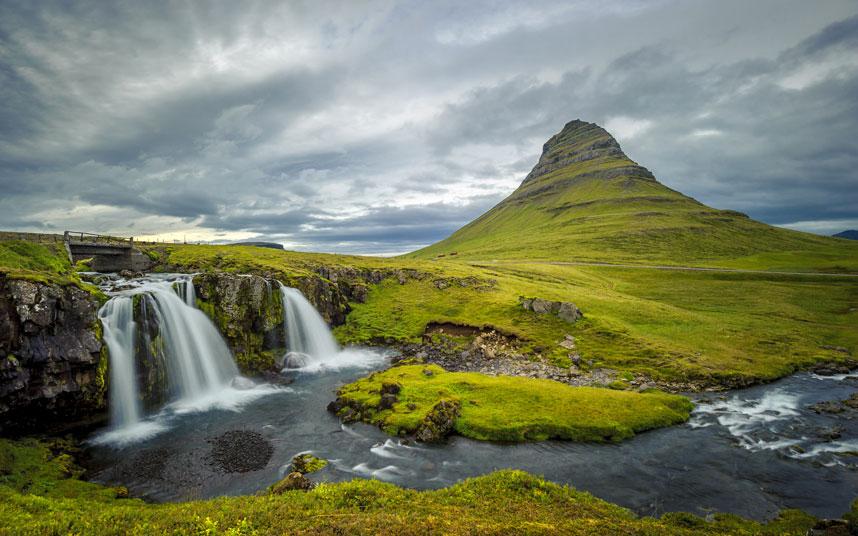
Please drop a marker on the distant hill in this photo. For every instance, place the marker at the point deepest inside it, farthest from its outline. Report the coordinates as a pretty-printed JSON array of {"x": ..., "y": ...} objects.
[
  {"x": 585, "y": 200},
  {"x": 272, "y": 245},
  {"x": 851, "y": 234}
]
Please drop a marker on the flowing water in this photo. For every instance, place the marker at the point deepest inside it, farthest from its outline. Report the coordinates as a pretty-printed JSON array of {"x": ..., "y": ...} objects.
[
  {"x": 306, "y": 330},
  {"x": 119, "y": 333},
  {"x": 751, "y": 452},
  {"x": 199, "y": 366}
]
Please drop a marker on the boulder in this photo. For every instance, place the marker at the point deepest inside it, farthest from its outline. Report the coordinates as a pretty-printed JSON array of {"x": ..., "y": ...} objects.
[
  {"x": 293, "y": 481},
  {"x": 295, "y": 360},
  {"x": 439, "y": 422},
  {"x": 307, "y": 463},
  {"x": 566, "y": 311}
]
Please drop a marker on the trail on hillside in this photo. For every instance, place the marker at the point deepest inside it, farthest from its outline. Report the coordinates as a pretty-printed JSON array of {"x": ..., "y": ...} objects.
[{"x": 657, "y": 267}]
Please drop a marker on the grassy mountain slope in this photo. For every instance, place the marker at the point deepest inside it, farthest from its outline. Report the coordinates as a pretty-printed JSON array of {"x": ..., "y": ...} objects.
[{"x": 585, "y": 200}]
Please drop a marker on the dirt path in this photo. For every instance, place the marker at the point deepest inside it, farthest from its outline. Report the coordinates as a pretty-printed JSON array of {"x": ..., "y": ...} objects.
[{"x": 664, "y": 267}]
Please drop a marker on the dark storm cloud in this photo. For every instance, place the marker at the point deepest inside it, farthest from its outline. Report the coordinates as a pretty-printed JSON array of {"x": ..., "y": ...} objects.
[{"x": 383, "y": 126}]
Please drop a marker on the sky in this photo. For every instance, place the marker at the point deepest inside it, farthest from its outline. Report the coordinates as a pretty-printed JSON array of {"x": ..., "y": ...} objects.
[{"x": 380, "y": 127}]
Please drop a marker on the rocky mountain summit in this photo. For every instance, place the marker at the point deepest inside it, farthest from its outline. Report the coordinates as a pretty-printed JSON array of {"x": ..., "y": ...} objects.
[{"x": 580, "y": 141}]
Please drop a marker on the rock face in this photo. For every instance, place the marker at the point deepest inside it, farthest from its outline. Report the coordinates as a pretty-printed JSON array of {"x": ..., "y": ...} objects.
[
  {"x": 580, "y": 141},
  {"x": 248, "y": 311},
  {"x": 564, "y": 310},
  {"x": 52, "y": 368}
]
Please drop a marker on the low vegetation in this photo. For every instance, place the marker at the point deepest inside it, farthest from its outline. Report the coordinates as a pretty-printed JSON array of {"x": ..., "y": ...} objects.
[
  {"x": 505, "y": 408},
  {"x": 41, "y": 494},
  {"x": 715, "y": 328}
]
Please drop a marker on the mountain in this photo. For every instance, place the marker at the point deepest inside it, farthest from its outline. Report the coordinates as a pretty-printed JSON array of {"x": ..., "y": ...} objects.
[
  {"x": 851, "y": 234},
  {"x": 585, "y": 200}
]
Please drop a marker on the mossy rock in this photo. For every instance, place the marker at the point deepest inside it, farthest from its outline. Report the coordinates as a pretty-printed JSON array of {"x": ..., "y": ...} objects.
[{"x": 307, "y": 463}]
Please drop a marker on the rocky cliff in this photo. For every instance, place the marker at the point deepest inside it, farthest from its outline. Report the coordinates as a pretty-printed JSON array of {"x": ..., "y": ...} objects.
[
  {"x": 52, "y": 363},
  {"x": 248, "y": 311}
]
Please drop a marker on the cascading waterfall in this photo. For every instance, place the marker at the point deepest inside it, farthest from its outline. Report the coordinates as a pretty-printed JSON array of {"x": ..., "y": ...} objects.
[
  {"x": 117, "y": 318},
  {"x": 197, "y": 357},
  {"x": 198, "y": 361},
  {"x": 306, "y": 330}
]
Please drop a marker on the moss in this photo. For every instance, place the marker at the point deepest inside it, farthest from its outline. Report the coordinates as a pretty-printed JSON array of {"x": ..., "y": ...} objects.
[
  {"x": 618, "y": 385},
  {"x": 504, "y": 408},
  {"x": 307, "y": 463},
  {"x": 256, "y": 363}
]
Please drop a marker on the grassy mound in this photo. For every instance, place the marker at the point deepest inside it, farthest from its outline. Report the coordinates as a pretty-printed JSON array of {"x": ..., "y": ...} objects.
[
  {"x": 40, "y": 494},
  {"x": 505, "y": 408}
]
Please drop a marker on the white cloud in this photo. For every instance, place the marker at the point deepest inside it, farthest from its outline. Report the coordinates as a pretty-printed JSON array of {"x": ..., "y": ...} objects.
[{"x": 626, "y": 128}]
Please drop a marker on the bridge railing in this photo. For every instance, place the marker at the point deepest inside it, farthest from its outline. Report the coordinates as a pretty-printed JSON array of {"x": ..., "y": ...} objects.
[{"x": 80, "y": 237}]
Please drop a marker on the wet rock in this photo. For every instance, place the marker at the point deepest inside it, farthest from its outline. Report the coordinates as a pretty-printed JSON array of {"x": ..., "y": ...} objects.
[
  {"x": 248, "y": 311},
  {"x": 240, "y": 451},
  {"x": 50, "y": 355},
  {"x": 295, "y": 360},
  {"x": 307, "y": 463},
  {"x": 835, "y": 406},
  {"x": 292, "y": 481}
]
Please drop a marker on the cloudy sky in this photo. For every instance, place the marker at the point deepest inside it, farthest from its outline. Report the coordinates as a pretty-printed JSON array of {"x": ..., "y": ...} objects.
[{"x": 378, "y": 127}]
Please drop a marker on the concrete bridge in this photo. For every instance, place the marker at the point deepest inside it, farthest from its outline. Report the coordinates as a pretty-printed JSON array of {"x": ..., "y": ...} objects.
[{"x": 107, "y": 253}]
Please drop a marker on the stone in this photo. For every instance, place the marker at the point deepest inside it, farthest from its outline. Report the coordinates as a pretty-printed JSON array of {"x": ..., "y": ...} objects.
[
  {"x": 388, "y": 400},
  {"x": 566, "y": 343},
  {"x": 293, "y": 481},
  {"x": 295, "y": 360},
  {"x": 439, "y": 422},
  {"x": 568, "y": 312},
  {"x": 307, "y": 463}
]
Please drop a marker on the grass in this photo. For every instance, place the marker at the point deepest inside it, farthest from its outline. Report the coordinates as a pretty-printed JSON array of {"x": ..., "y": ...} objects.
[
  {"x": 40, "y": 262},
  {"x": 708, "y": 327},
  {"x": 40, "y": 494},
  {"x": 505, "y": 408}
]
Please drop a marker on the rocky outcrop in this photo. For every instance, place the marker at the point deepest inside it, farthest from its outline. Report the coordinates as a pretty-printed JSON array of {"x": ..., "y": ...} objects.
[
  {"x": 439, "y": 422},
  {"x": 564, "y": 310},
  {"x": 580, "y": 141},
  {"x": 52, "y": 367},
  {"x": 248, "y": 311}
]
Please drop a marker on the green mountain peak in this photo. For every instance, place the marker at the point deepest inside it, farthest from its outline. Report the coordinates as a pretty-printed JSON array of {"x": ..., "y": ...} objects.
[{"x": 585, "y": 200}]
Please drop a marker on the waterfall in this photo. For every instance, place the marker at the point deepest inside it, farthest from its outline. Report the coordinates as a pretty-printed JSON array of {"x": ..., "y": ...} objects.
[
  {"x": 198, "y": 361},
  {"x": 185, "y": 289},
  {"x": 306, "y": 330},
  {"x": 117, "y": 318},
  {"x": 197, "y": 357}
]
